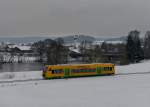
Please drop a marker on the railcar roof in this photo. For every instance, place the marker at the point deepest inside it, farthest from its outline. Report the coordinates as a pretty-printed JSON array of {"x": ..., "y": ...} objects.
[{"x": 80, "y": 64}]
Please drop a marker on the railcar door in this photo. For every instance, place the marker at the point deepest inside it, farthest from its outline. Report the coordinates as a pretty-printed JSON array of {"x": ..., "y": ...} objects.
[
  {"x": 67, "y": 72},
  {"x": 98, "y": 70}
]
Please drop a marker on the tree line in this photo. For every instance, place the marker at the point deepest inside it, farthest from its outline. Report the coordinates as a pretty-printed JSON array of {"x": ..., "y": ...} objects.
[
  {"x": 133, "y": 50},
  {"x": 137, "y": 48}
]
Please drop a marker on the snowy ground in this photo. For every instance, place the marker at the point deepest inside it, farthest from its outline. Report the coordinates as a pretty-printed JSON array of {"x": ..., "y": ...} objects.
[{"x": 105, "y": 91}]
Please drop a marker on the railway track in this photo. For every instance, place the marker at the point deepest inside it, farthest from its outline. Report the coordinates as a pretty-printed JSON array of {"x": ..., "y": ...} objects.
[
  {"x": 16, "y": 81},
  {"x": 39, "y": 79},
  {"x": 134, "y": 73}
]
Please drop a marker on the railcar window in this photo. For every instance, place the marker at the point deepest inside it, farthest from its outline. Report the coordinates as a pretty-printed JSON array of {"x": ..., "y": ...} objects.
[
  {"x": 93, "y": 70},
  {"x": 83, "y": 70},
  {"x": 75, "y": 70},
  {"x": 106, "y": 68},
  {"x": 86, "y": 70},
  {"x": 110, "y": 68},
  {"x": 90, "y": 70},
  {"x": 52, "y": 71},
  {"x": 80, "y": 70},
  {"x": 57, "y": 71},
  {"x": 45, "y": 68}
]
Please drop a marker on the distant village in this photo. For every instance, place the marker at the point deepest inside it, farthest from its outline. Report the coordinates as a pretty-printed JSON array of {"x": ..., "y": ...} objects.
[
  {"x": 10, "y": 53},
  {"x": 110, "y": 51}
]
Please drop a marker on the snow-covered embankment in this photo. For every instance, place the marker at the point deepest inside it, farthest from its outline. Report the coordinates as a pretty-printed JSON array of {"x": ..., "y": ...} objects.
[{"x": 132, "y": 68}]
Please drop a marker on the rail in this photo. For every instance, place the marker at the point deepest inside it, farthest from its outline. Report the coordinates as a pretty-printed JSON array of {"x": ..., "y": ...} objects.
[{"x": 39, "y": 79}]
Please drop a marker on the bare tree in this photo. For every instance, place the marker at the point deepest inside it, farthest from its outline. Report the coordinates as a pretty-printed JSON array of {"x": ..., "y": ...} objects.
[{"x": 57, "y": 53}]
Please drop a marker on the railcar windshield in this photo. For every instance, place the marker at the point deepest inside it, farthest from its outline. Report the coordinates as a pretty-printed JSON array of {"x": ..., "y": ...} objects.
[{"x": 45, "y": 68}]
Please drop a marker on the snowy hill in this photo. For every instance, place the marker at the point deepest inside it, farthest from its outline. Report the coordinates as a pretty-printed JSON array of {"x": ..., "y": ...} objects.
[
  {"x": 31, "y": 39},
  {"x": 102, "y": 91},
  {"x": 18, "y": 40},
  {"x": 81, "y": 38}
]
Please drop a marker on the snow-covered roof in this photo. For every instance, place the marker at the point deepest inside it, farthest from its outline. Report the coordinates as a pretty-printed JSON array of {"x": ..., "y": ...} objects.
[
  {"x": 75, "y": 50},
  {"x": 99, "y": 42},
  {"x": 115, "y": 42},
  {"x": 24, "y": 47}
]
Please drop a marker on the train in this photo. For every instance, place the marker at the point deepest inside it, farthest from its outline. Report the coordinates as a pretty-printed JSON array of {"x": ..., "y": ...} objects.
[{"x": 77, "y": 70}]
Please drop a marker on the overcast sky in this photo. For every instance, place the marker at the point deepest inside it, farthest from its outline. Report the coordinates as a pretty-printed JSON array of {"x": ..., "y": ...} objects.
[{"x": 60, "y": 17}]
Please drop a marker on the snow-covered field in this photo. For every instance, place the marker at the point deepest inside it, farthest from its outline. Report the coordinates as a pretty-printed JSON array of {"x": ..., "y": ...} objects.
[{"x": 104, "y": 91}]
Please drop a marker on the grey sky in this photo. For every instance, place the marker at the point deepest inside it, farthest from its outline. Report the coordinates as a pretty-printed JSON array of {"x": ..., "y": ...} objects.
[{"x": 59, "y": 17}]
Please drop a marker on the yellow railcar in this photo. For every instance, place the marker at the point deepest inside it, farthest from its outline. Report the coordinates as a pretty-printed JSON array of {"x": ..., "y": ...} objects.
[{"x": 77, "y": 70}]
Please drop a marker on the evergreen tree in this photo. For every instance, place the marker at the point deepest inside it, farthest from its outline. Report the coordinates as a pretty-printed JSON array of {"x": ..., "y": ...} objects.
[
  {"x": 147, "y": 45},
  {"x": 133, "y": 47},
  {"x": 139, "y": 51}
]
